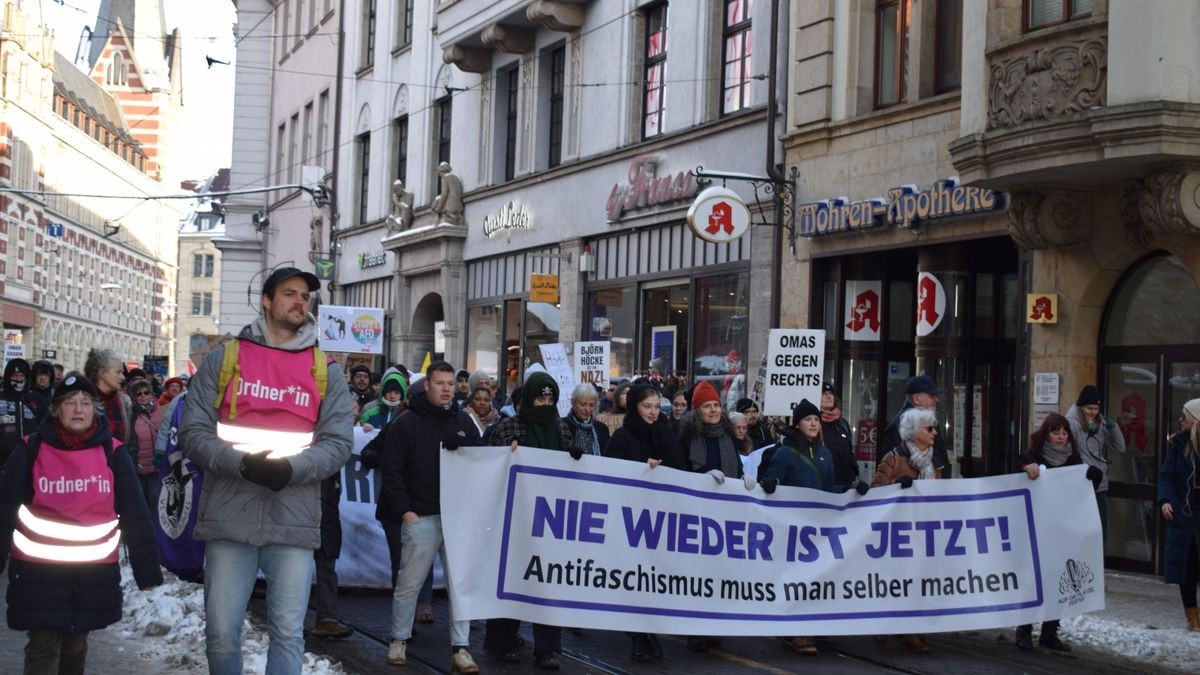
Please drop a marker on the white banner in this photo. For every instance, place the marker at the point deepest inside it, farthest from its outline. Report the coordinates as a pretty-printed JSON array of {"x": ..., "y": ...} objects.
[
  {"x": 592, "y": 361},
  {"x": 795, "y": 364},
  {"x": 555, "y": 358},
  {"x": 358, "y": 330},
  {"x": 613, "y": 545}
]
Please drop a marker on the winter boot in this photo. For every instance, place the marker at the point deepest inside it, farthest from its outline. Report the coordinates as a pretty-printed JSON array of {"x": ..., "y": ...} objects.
[
  {"x": 1193, "y": 618},
  {"x": 1049, "y": 638},
  {"x": 1024, "y": 637},
  {"x": 640, "y": 651}
]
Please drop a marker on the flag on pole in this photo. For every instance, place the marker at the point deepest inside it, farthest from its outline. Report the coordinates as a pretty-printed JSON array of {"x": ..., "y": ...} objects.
[{"x": 425, "y": 364}]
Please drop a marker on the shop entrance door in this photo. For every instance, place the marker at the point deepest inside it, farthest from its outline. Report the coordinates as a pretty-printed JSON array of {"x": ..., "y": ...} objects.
[
  {"x": 1150, "y": 366},
  {"x": 665, "y": 321}
]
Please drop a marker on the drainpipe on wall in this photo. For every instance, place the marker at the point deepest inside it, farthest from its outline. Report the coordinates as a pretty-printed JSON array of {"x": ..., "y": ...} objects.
[
  {"x": 774, "y": 173},
  {"x": 335, "y": 251}
]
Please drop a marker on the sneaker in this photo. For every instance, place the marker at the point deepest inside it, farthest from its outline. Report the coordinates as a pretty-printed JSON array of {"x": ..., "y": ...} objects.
[
  {"x": 800, "y": 645},
  {"x": 396, "y": 653},
  {"x": 424, "y": 613},
  {"x": 461, "y": 662},
  {"x": 331, "y": 628}
]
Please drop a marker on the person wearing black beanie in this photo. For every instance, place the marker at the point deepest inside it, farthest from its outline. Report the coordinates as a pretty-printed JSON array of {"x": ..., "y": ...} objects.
[{"x": 1096, "y": 436}]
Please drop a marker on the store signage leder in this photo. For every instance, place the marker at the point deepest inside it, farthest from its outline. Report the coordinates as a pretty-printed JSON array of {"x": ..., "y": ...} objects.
[
  {"x": 543, "y": 288},
  {"x": 376, "y": 259},
  {"x": 719, "y": 215},
  {"x": 511, "y": 216},
  {"x": 904, "y": 206},
  {"x": 647, "y": 189}
]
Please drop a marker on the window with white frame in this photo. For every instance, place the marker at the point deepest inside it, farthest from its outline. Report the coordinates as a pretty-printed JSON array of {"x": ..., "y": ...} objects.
[
  {"x": 736, "y": 50},
  {"x": 653, "y": 69}
]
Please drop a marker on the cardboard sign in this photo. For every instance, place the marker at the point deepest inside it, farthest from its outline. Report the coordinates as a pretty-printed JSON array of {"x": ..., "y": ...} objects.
[
  {"x": 795, "y": 366},
  {"x": 862, "y": 320},
  {"x": 543, "y": 288},
  {"x": 592, "y": 361},
  {"x": 358, "y": 330},
  {"x": 554, "y": 357}
]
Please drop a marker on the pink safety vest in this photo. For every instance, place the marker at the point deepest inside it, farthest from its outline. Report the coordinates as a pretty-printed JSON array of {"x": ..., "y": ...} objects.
[
  {"x": 72, "y": 518},
  {"x": 277, "y": 401}
]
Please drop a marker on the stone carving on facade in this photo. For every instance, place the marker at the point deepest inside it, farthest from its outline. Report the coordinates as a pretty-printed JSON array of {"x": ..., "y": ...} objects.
[
  {"x": 565, "y": 17},
  {"x": 314, "y": 235},
  {"x": 1048, "y": 82},
  {"x": 448, "y": 204},
  {"x": 1166, "y": 202},
  {"x": 401, "y": 217},
  {"x": 508, "y": 39},
  {"x": 1042, "y": 220},
  {"x": 468, "y": 59}
]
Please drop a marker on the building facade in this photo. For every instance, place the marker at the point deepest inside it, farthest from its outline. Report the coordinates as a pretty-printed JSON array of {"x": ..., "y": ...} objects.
[
  {"x": 571, "y": 131},
  {"x": 998, "y": 194},
  {"x": 79, "y": 269}
]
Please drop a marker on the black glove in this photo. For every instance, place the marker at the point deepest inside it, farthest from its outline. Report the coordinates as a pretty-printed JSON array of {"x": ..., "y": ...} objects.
[
  {"x": 1095, "y": 475},
  {"x": 769, "y": 485},
  {"x": 861, "y": 487},
  {"x": 576, "y": 453},
  {"x": 905, "y": 482},
  {"x": 453, "y": 440},
  {"x": 270, "y": 473}
]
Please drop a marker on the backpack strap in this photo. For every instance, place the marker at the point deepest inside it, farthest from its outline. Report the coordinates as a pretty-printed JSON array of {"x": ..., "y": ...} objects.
[
  {"x": 804, "y": 459},
  {"x": 230, "y": 372},
  {"x": 321, "y": 370}
]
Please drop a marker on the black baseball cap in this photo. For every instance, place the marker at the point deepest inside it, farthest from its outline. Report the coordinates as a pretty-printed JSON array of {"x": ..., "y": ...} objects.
[
  {"x": 284, "y": 273},
  {"x": 922, "y": 384}
]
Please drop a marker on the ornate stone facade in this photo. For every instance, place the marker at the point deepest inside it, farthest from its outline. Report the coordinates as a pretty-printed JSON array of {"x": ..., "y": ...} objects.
[
  {"x": 1043, "y": 220},
  {"x": 1048, "y": 82}
]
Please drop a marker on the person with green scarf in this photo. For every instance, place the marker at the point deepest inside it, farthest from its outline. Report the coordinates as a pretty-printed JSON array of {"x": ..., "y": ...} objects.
[{"x": 536, "y": 425}]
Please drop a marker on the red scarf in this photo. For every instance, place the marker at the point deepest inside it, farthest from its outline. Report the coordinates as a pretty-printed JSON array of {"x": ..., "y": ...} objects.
[
  {"x": 831, "y": 416},
  {"x": 115, "y": 413},
  {"x": 70, "y": 439}
]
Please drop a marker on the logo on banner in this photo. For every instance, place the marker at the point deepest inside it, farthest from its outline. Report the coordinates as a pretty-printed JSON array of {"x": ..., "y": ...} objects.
[
  {"x": 719, "y": 215},
  {"x": 366, "y": 329},
  {"x": 862, "y": 310},
  {"x": 931, "y": 303},
  {"x": 1076, "y": 582}
]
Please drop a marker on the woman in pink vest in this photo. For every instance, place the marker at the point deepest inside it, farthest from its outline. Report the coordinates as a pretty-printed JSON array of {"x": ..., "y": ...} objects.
[{"x": 68, "y": 496}]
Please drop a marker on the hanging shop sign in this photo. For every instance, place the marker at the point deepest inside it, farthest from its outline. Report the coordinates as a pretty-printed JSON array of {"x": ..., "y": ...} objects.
[
  {"x": 645, "y": 188},
  {"x": 719, "y": 215},
  {"x": 543, "y": 288},
  {"x": 931, "y": 303},
  {"x": 904, "y": 206},
  {"x": 511, "y": 216},
  {"x": 375, "y": 259},
  {"x": 325, "y": 269},
  {"x": 1041, "y": 308},
  {"x": 862, "y": 322}
]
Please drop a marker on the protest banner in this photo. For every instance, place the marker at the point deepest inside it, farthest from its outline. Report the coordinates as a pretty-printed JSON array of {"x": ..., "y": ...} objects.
[
  {"x": 357, "y": 330},
  {"x": 614, "y": 545},
  {"x": 795, "y": 366},
  {"x": 592, "y": 361},
  {"x": 555, "y": 359}
]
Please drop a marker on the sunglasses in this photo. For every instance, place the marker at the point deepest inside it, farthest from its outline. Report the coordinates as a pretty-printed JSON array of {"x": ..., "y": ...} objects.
[
  {"x": 142, "y": 393},
  {"x": 930, "y": 429}
]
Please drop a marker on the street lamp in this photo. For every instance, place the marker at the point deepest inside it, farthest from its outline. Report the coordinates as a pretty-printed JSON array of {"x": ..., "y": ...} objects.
[{"x": 110, "y": 287}]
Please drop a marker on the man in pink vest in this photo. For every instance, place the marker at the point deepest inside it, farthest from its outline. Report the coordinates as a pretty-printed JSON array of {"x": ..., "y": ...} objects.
[{"x": 266, "y": 432}]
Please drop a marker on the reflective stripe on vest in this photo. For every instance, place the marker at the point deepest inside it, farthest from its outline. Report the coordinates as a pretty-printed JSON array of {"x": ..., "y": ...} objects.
[
  {"x": 72, "y": 517},
  {"x": 251, "y": 439}
]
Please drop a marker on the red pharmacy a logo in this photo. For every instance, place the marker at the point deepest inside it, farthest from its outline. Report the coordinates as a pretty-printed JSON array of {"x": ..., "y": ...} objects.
[{"x": 720, "y": 218}]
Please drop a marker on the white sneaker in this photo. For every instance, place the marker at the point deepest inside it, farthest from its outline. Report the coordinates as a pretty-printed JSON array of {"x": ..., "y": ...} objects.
[
  {"x": 396, "y": 652},
  {"x": 461, "y": 662}
]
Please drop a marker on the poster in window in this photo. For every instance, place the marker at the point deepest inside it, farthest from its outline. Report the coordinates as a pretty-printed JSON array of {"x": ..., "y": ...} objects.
[
  {"x": 662, "y": 347},
  {"x": 931, "y": 303},
  {"x": 862, "y": 317}
]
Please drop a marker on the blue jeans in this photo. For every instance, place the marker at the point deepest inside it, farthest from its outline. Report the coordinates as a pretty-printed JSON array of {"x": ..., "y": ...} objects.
[
  {"x": 420, "y": 542},
  {"x": 230, "y": 570}
]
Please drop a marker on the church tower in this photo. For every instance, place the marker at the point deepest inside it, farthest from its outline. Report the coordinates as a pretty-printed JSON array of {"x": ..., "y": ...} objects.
[{"x": 136, "y": 60}]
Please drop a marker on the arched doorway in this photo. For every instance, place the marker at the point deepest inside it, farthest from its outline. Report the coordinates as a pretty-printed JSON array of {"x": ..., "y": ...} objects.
[
  {"x": 1149, "y": 367},
  {"x": 426, "y": 317}
]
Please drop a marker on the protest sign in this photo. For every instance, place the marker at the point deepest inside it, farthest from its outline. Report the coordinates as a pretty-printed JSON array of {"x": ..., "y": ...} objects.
[
  {"x": 555, "y": 359},
  {"x": 795, "y": 366},
  {"x": 592, "y": 361},
  {"x": 351, "y": 329},
  {"x": 613, "y": 545}
]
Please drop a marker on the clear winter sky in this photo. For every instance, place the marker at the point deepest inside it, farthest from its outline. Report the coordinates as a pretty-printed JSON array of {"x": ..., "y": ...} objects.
[{"x": 207, "y": 29}]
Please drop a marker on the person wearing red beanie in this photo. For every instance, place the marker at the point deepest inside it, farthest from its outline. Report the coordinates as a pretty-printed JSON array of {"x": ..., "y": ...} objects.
[{"x": 702, "y": 393}]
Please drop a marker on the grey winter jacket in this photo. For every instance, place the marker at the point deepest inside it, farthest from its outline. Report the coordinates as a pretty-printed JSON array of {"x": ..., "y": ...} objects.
[
  {"x": 1096, "y": 446},
  {"x": 234, "y": 509}
]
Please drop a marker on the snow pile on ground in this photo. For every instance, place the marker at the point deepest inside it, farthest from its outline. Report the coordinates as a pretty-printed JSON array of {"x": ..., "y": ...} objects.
[
  {"x": 1173, "y": 647},
  {"x": 165, "y": 625}
]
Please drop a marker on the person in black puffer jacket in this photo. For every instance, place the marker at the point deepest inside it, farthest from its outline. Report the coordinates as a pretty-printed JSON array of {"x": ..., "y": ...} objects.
[{"x": 835, "y": 432}]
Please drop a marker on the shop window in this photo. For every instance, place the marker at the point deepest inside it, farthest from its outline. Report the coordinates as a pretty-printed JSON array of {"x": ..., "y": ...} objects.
[
  {"x": 612, "y": 316},
  {"x": 483, "y": 339},
  {"x": 859, "y": 386},
  {"x": 832, "y": 316},
  {"x": 655, "y": 64},
  {"x": 664, "y": 335},
  {"x": 901, "y": 312},
  {"x": 719, "y": 330},
  {"x": 985, "y": 305},
  {"x": 737, "y": 49},
  {"x": 948, "y": 50},
  {"x": 957, "y": 309},
  {"x": 1042, "y": 13},
  {"x": 891, "y": 51},
  {"x": 541, "y": 327}
]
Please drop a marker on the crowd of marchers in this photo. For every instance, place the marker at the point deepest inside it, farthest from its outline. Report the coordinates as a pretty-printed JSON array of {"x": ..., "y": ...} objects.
[{"x": 267, "y": 423}]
